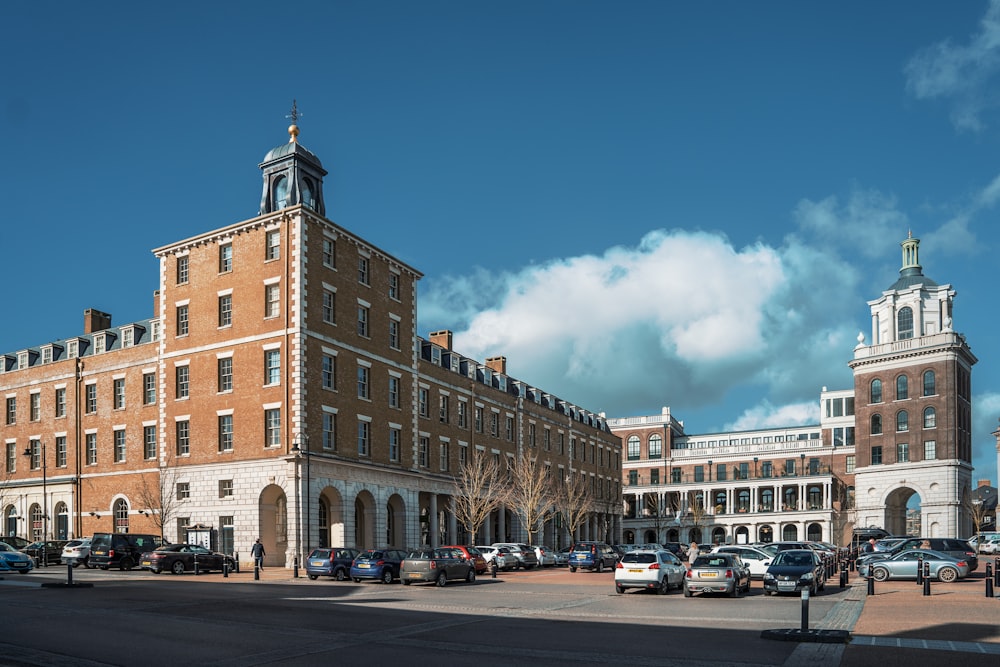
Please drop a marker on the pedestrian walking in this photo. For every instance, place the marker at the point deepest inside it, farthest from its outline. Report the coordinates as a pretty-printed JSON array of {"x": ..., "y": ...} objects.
[
  {"x": 257, "y": 552},
  {"x": 692, "y": 554}
]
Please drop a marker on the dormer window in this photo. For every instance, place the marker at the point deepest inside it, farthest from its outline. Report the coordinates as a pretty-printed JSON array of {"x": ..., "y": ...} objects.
[
  {"x": 22, "y": 360},
  {"x": 99, "y": 343},
  {"x": 47, "y": 354},
  {"x": 72, "y": 349},
  {"x": 128, "y": 337}
]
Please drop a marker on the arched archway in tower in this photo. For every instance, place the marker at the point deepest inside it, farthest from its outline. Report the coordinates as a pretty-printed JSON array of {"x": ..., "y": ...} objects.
[{"x": 896, "y": 520}]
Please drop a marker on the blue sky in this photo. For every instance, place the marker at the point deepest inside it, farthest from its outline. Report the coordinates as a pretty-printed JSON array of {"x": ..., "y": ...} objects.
[{"x": 640, "y": 204}]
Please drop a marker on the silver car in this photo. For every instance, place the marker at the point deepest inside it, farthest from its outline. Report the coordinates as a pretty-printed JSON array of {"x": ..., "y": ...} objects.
[
  {"x": 76, "y": 552},
  {"x": 904, "y": 566},
  {"x": 717, "y": 573}
]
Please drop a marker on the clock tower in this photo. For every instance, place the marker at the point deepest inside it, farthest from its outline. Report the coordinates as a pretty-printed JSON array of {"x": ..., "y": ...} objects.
[{"x": 293, "y": 175}]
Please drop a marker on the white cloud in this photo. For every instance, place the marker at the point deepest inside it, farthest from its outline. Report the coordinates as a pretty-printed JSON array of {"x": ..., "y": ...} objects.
[
  {"x": 964, "y": 74},
  {"x": 765, "y": 415},
  {"x": 868, "y": 223},
  {"x": 678, "y": 320},
  {"x": 985, "y": 412}
]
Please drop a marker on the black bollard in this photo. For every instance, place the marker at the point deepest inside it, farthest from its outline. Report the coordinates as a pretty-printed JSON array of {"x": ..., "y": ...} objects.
[
  {"x": 493, "y": 568},
  {"x": 196, "y": 570},
  {"x": 236, "y": 560},
  {"x": 225, "y": 569},
  {"x": 920, "y": 570},
  {"x": 805, "y": 610},
  {"x": 927, "y": 578},
  {"x": 295, "y": 567},
  {"x": 989, "y": 581},
  {"x": 843, "y": 575},
  {"x": 256, "y": 570},
  {"x": 871, "y": 583},
  {"x": 69, "y": 574},
  {"x": 996, "y": 572}
]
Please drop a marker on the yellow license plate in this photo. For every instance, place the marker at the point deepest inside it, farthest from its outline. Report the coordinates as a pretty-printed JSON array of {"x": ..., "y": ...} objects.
[
  {"x": 317, "y": 563},
  {"x": 636, "y": 571},
  {"x": 146, "y": 562},
  {"x": 363, "y": 565},
  {"x": 414, "y": 575},
  {"x": 709, "y": 575}
]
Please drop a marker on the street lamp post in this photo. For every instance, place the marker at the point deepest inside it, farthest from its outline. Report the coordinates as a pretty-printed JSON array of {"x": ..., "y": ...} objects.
[{"x": 30, "y": 453}]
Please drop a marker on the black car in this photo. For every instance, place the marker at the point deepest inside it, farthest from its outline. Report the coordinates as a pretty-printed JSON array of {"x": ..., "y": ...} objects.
[
  {"x": 121, "y": 550},
  {"x": 49, "y": 550},
  {"x": 795, "y": 570},
  {"x": 181, "y": 558},
  {"x": 14, "y": 541}
]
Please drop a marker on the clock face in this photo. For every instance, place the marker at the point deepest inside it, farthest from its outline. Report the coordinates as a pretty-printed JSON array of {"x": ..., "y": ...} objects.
[{"x": 281, "y": 193}]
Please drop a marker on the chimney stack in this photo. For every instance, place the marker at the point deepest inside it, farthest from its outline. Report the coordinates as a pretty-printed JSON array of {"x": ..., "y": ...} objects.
[
  {"x": 497, "y": 364},
  {"x": 442, "y": 338},
  {"x": 94, "y": 321}
]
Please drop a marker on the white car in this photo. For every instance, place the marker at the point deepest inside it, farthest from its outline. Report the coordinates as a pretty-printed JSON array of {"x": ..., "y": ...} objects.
[
  {"x": 656, "y": 570},
  {"x": 76, "y": 552},
  {"x": 545, "y": 555},
  {"x": 990, "y": 546},
  {"x": 503, "y": 560},
  {"x": 756, "y": 559}
]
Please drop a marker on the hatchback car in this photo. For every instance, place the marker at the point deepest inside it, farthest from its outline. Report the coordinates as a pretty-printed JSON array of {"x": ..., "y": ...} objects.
[
  {"x": 181, "y": 558},
  {"x": 333, "y": 562},
  {"x": 657, "y": 570},
  {"x": 45, "y": 552},
  {"x": 500, "y": 556},
  {"x": 757, "y": 560},
  {"x": 436, "y": 565},
  {"x": 592, "y": 556},
  {"x": 795, "y": 570},
  {"x": 546, "y": 556},
  {"x": 523, "y": 553},
  {"x": 903, "y": 565},
  {"x": 471, "y": 554},
  {"x": 76, "y": 552},
  {"x": 717, "y": 573},
  {"x": 380, "y": 564},
  {"x": 12, "y": 560}
]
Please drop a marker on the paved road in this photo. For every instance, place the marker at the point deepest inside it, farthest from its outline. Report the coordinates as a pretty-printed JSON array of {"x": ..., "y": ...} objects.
[{"x": 548, "y": 616}]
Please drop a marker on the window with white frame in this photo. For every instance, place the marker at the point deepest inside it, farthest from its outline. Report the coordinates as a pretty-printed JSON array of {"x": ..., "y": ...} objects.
[
  {"x": 364, "y": 388},
  {"x": 225, "y": 310},
  {"x": 225, "y": 374},
  {"x": 393, "y": 391},
  {"x": 364, "y": 438},
  {"x": 272, "y": 427},
  {"x": 182, "y": 320},
  {"x": 225, "y": 258},
  {"x": 183, "y": 491},
  {"x": 424, "y": 444},
  {"x": 225, "y": 433},
  {"x": 394, "y": 285},
  {"x": 118, "y": 388},
  {"x": 61, "y": 452},
  {"x": 148, "y": 388},
  {"x": 90, "y": 398},
  {"x": 393, "y": 334},
  {"x": 363, "y": 268},
  {"x": 182, "y": 428},
  {"x": 272, "y": 367},
  {"x": 90, "y": 445},
  {"x": 363, "y": 315},
  {"x": 128, "y": 336},
  {"x": 930, "y": 450},
  {"x": 272, "y": 300},
  {"x": 183, "y": 381},
  {"x": 272, "y": 248},
  {"x": 183, "y": 263},
  {"x": 330, "y": 430},
  {"x": 225, "y": 488},
  {"x": 443, "y": 456},
  {"x": 463, "y": 414},
  {"x": 423, "y": 398},
  {"x": 394, "y": 443},
  {"x": 329, "y": 306},
  {"x": 328, "y": 372},
  {"x": 119, "y": 445},
  {"x": 34, "y": 406},
  {"x": 329, "y": 253},
  {"x": 149, "y": 442}
]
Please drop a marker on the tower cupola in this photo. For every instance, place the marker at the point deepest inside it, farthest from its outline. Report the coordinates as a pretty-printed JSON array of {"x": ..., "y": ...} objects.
[{"x": 293, "y": 175}]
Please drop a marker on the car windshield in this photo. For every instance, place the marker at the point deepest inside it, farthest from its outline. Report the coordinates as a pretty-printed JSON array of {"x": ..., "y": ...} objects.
[
  {"x": 368, "y": 555},
  {"x": 633, "y": 557},
  {"x": 711, "y": 561},
  {"x": 6, "y": 547},
  {"x": 583, "y": 547},
  {"x": 790, "y": 559}
]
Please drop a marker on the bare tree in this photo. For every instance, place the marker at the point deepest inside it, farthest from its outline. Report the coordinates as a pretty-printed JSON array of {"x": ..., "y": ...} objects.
[
  {"x": 531, "y": 493},
  {"x": 574, "y": 502},
  {"x": 158, "y": 493},
  {"x": 479, "y": 489},
  {"x": 977, "y": 512},
  {"x": 697, "y": 510}
]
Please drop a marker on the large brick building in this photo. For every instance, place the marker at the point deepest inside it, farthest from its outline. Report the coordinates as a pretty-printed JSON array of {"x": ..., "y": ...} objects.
[
  {"x": 279, "y": 391},
  {"x": 903, "y": 430}
]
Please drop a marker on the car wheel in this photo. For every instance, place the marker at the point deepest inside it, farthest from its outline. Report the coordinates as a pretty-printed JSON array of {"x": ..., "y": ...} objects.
[
  {"x": 619, "y": 589},
  {"x": 406, "y": 582},
  {"x": 177, "y": 567},
  {"x": 313, "y": 577},
  {"x": 340, "y": 575},
  {"x": 470, "y": 578},
  {"x": 664, "y": 587},
  {"x": 387, "y": 576},
  {"x": 880, "y": 574},
  {"x": 155, "y": 571},
  {"x": 441, "y": 580},
  {"x": 735, "y": 593},
  {"x": 947, "y": 575},
  {"x": 357, "y": 580},
  {"x": 600, "y": 566},
  {"x": 572, "y": 569},
  {"x": 687, "y": 592},
  {"x": 126, "y": 564},
  {"x": 771, "y": 592}
]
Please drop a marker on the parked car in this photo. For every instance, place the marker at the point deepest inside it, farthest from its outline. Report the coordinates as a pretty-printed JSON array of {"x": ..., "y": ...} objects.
[
  {"x": 592, "y": 556},
  {"x": 561, "y": 556},
  {"x": 903, "y": 565},
  {"x": 958, "y": 549},
  {"x": 795, "y": 570},
  {"x": 657, "y": 570},
  {"x": 180, "y": 558},
  {"x": 717, "y": 573},
  {"x": 436, "y": 565},
  {"x": 545, "y": 555},
  {"x": 990, "y": 546},
  {"x": 676, "y": 548},
  {"x": 76, "y": 552},
  {"x": 12, "y": 560},
  {"x": 471, "y": 554},
  {"x": 500, "y": 555},
  {"x": 45, "y": 552},
  {"x": 524, "y": 554},
  {"x": 330, "y": 562},
  {"x": 121, "y": 550},
  {"x": 757, "y": 560},
  {"x": 14, "y": 541},
  {"x": 381, "y": 564}
]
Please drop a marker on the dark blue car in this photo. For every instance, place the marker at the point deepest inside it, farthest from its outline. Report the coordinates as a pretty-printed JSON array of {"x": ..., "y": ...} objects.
[
  {"x": 592, "y": 556},
  {"x": 380, "y": 564},
  {"x": 330, "y": 562}
]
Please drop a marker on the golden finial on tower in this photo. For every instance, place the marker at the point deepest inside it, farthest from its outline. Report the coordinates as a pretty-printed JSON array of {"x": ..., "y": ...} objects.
[{"x": 293, "y": 129}]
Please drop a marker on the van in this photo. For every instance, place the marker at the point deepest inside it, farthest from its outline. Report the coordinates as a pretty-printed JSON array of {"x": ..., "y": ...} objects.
[{"x": 121, "y": 550}]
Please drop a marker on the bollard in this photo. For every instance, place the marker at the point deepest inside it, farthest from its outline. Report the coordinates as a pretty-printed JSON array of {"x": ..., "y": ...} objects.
[
  {"x": 493, "y": 568},
  {"x": 871, "y": 583},
  {"x": 295, "y": 567},
  {"x": 996, "y": 572},
  {"x": 256, "y": 570},
  {"x": 69, "y": 574},
  {"x": 805, "y": 610},
  {"x": 989, "y": 581},
  {"x": 927, "y": 578},
  {"x": 920, "y": 570},
  {"x": 225, "y": 569},
  {"x": 852, "y": 564},
  {"x": 196, "y": 570},
  {"x": 843, "y": 575},
  {"x": 236, "y": 559}
]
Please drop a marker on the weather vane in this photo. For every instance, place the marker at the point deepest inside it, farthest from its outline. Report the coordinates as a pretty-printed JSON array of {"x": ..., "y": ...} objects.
[{"x": 295, "y": 113}]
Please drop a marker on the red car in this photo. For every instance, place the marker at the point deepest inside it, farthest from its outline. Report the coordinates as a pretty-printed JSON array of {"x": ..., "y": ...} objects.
[{"x": 472, "y": 555}]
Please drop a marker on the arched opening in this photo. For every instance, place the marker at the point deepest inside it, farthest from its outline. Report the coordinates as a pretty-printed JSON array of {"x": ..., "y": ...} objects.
[
  {"x": 650, "y": 537},
  {"x": 898, "y": 519},
  {"x": 789, "y": 533},
  {"x": 333, "y": 504},
  {"x": 718, "y": 536},
  {"x": 815, "y": 497},
  {"x": 395, "y": 525},
  {"x": 742, "y": 535},
  {"x": 767, "y": 500},
  {"x": 743, "y": 500},
  {"x": 323, "y": 523},
  {"x": 62, "y": 521},
  {"x": 629, "y": 537},
  {"x": 10, "y": 521},
  {"x": 280, "y": 194},
  {"x": 121, "y": 515},
  {"x": 765, "y": 534},
  {"x": 673, "y": 535},
  {"x": 814, "y": 532},
  {"x": 37, "y": 523},
  {"x": 272, "y": 517},
  {"x": 694, "y": 535},
  {"x": 364, "y": 521}
]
